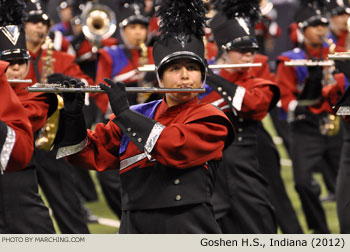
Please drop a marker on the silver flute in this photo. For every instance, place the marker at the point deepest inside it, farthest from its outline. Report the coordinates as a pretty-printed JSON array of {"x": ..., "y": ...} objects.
[
  {"x": 152, "y": 68},
  {"x": 58, "y": 88},
  {"x": 339, "y": 56},
  {"x": 15, "y": 81},
  {"x": 302, "y": 62}
]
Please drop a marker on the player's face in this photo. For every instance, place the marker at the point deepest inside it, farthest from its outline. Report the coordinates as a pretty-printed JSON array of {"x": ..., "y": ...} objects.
[
  {"x": 17, "y": 69},
  {"x": 183, "y": 73},
  {"x": 240, "y": 57},
  {"x": 314, "y": 35},
  {"x": 135, "y": 34},
  {"x": 36, "y": 32}
]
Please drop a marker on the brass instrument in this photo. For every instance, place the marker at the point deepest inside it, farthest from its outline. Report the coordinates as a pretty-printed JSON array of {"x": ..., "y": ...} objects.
[
  {"x": 99, "y": 22},
  {"x": 48, "y": 132},
  {"x": 143, "y": 59},
  {"x": 347, "y": 41},
  {"x": 151, "y": 68},
  {"x": 330, "y": 124},
  {"x": 59, "y": 88}
]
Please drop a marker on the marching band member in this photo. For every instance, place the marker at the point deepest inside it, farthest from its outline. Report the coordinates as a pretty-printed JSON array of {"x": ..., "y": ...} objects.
[
  {"x": 169, "y": 183},
  {"x": 302, "y": 94},
  {"x": 241, "y": 198}
]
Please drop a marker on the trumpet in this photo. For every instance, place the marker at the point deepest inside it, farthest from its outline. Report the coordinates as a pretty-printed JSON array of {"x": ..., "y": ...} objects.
[
  {"x": 59, "y": 88},
  {"x": 152, "y": 68},
  {"x": 302, "y": 62},
  {"x": 99, "y": 22}
]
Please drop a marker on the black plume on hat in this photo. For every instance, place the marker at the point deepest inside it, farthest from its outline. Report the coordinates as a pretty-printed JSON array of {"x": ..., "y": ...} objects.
[
  {"x": 12, "y": 36},
  {"x": 182, "y": 25},
  {"x": 234, "y": 23},
  {"x": 132, "y": 11},
  {"x": 249, "y": 9}
]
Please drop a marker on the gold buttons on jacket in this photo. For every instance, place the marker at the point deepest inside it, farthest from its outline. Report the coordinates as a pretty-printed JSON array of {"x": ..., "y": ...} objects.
[
  {"x": 178, "y": 197},
  {"x": 240, "y": 129},
  {"x": 139, "y": 139},
  {"x": 239, "y": 139},
  {"x": 177, "y": 181},
  {"x": 133, "y": 134},
  {"x": 128, "y": 129}
]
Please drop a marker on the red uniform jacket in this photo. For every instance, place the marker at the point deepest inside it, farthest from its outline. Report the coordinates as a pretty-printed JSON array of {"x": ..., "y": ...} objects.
[
  {"x": 259, "y": 95},
  {"x": 188, "y": 140},
  {"x": 186, "y": 151},
  {"x": 13, "y": 115},
  {"x": 287, "y": 79}
]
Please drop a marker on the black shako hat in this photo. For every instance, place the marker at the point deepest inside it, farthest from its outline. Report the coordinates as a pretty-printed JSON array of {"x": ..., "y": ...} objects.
[
  {"x": 233, "y": 25},
  {"x": 132, "y": 12},
  {"x": 338, "y": 7},
  {"x": 311, "y": 13},
  {"x": 181, "y": 34},
  {"x": 36, "y": 13},
  {"x": 12, "y": 35}
]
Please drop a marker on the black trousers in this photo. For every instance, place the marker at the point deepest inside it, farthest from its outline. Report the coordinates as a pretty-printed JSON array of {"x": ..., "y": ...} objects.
[
  {"x": 110, "y": 185},
  {"x": 189, "y": 219},
  {"x": 56, "y": 180},
  {"x": 343, "y": 184},
  {"x": 22, "y": 210},
  {"x": 269, "y": 163},
  {"x": 308, "y": 147},
  {"x": 241, "y": 197}
]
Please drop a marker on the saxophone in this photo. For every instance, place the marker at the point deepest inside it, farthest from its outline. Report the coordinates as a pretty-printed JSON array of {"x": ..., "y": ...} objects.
[
  {"x": 330, "y": 124},
  {"x": 48, "y": 132},
  {"x": 143, "y": 60}
]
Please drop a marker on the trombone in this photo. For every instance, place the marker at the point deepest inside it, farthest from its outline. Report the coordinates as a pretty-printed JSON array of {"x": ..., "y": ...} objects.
[
  {"x": 59, "y": 88},
  {"x": 152, "y": 68}
]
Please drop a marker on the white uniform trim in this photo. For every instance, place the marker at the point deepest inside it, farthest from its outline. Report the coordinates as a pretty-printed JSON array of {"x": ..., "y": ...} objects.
[
  {"x": 7, "y": 149},
  {"x": 70, "y": 150}
]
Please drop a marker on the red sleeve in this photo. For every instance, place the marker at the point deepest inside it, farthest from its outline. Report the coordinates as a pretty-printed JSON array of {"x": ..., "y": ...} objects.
[
  {"x": 257, "y": 100},
  {"x": 286, "y": 79},
  {"x": 332, "y": 93},
  {"x": 194, "y": 142},
  {"x": 36, "y": 107},
  {"x": 191, "y": 144},
  {"x": 13, "y": 115},
  {"x": 102, "y": 151}
]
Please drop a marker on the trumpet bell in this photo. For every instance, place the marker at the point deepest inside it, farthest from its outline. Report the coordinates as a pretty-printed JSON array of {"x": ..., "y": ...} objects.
[{"x": 99, "y": 22}]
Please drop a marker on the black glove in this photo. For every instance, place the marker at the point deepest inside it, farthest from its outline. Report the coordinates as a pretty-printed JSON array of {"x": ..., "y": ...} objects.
[
  {"x": 58, "y": 78},
  {"x": 73, "y": 102},
  {"x": 313, "y": 84},
  {"x": 343, "y": 66},
  {"x": 117, "y": 96}
]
